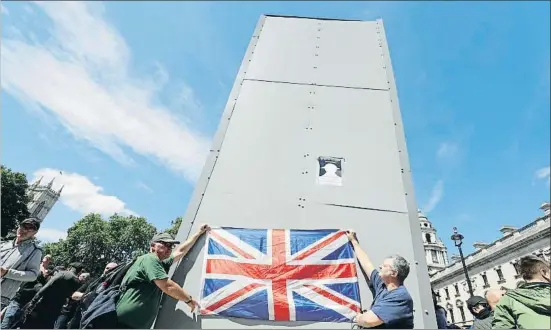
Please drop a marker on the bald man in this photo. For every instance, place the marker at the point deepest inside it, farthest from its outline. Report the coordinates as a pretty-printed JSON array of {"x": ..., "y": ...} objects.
[{"x": 493, "y": 296}]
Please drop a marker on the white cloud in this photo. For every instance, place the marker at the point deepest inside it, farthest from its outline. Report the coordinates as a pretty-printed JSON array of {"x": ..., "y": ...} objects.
[
  {"x": 435, "y": 196},
  {"x": 544, "y": 174},
  {"x": 447, "y": 151},
  {"x": 143, "y": 186},
  {"x": 5, "y": 10},
  {"x": 49, "y": 235},
  {"x": 82, "y": 77},
  {"x": 82, "y": 195}
]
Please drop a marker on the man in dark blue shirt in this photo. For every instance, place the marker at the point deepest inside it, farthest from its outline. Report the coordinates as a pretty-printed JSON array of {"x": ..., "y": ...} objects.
[{"x": 392, "y": 306}]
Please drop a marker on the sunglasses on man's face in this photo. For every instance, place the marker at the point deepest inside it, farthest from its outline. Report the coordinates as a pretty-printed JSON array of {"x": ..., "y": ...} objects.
[
  {"x": 167, "y": 245},
  {"x": 28, "y": 227}
]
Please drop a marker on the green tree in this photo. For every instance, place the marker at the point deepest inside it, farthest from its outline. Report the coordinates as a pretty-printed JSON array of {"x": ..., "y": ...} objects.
[
  {"x": 14, "y": 199},
  {"x": 94, "y": 241},
  {"x": 174, "y": 226}
]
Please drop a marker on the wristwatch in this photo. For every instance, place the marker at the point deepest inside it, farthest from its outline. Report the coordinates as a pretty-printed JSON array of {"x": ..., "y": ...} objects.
[{"x": 190, "y": 300}]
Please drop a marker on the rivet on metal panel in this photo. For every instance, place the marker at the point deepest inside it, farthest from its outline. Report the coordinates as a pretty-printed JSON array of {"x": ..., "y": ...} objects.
[
  {"x": 307, "y": 154},
  {"x": 316, "y": 55},
  {"x": 426, "y": 312},
  {"x": 302, "y": 206},
  {"x": 417, "y": 262},
  {"x": 315, "y": 67},
  {"x": 306, "y": 172},
  {"x": 310, "y": 128}
]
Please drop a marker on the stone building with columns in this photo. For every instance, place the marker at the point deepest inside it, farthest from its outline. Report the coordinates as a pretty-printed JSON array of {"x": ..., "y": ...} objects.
[{"x": 492, "y": 265}]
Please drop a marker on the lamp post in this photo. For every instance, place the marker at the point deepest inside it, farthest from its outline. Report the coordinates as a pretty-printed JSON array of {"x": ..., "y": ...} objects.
[{"x": 457, "y": 238}]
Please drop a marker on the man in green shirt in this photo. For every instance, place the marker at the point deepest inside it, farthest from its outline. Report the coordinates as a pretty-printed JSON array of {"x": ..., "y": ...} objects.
[{"x": 147, "y": 279}]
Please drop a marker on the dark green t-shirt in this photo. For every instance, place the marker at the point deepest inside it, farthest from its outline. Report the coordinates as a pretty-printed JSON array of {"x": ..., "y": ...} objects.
[{"x": 139, "y": 304}]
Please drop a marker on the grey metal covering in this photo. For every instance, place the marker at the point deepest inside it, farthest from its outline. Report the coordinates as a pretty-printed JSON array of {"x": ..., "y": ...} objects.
[{"x": 309, "y": 88}]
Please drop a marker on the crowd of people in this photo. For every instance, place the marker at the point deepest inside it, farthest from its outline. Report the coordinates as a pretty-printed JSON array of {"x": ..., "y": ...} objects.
[
  {"x": 526, "y": 307},
  {"x": 36, "y": 295}
]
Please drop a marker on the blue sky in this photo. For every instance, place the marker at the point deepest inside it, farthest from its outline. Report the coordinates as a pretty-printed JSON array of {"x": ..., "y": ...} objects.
[{"x": 124, "y": 98}]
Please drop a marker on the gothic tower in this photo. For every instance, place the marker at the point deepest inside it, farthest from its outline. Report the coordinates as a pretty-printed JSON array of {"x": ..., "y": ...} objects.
[
  {"x": 436, "y": 252},
  {"x": 43, "y": 198}
]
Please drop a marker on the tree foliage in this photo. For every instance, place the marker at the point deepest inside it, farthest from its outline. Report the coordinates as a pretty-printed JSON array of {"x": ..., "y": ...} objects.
[
  {"x": 14, "y": 199},
  {"x": 174, "y": 226},
  {"x": 95, "y": 241}
]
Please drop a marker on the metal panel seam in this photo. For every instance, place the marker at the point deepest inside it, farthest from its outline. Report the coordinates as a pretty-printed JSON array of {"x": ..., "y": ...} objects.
[
  {"x": 418, "y": 250},
  {"x": 315, "y": 84},
  {"x": 317, "y": 18}
]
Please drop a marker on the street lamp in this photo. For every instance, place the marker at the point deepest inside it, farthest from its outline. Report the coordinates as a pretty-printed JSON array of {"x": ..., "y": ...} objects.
[{"x": 457, "y": 238}]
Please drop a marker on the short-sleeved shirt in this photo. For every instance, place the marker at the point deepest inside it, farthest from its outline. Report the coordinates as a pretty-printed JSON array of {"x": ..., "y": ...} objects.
[
  {"x": 394, "y": 308},
  {"x": 139, "y": 304}
]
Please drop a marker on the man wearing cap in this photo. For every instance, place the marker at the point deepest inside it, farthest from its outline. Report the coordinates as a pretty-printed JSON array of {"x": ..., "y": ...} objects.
[
  {"x": 147, "y": 279},
  {"x": 20, "y": 259},
  {"x": 482, "y": 312},
  {"x": 46, "y": 305}
]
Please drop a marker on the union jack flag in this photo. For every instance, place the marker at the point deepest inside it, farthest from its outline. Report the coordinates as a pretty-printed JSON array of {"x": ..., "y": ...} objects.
[{"x": 281, "y": 275}]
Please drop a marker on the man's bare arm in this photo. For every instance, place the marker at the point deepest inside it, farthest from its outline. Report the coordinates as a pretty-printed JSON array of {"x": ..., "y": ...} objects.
[
  {"x": 368, "y": 320},
  {"x": 361, "y": 255},
  {"x": 174, "y": 290},
  {"x": 181, "y": 250}
]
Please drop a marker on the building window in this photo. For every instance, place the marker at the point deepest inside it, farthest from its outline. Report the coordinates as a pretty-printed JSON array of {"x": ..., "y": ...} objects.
[
  {"x": 500, "y": 276},
  {"x": 459, "y": 305},
  {"x": 38, "y": 209},
  {"x": 517, "y": 268},
  {"x": 485, "y": 279},
  {"x": 462, "y": 313},
  {"x": 447, "y": 293},
  {"x": 451, "y": 315},
  {"x": 427, "y": 237},
  {"x": 456, "y": 289},
  {"x": 434, "y": 256}
]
